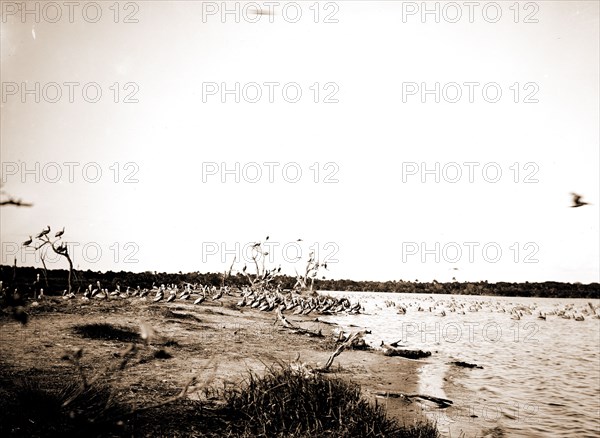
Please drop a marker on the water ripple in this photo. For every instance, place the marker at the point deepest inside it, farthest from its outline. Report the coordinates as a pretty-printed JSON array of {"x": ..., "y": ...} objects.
[{"x": 540, "y": 378}]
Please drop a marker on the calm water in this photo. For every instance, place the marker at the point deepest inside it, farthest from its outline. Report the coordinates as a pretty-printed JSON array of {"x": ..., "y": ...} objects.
[{"x": 540, "y": 378}]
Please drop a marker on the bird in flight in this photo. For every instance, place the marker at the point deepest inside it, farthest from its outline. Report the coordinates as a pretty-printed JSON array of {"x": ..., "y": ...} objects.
[{"x": 577, "y": 202}]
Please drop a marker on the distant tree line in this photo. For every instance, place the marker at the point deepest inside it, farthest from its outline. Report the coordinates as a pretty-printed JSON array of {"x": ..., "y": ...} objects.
[
  {"x": 54, "y": 282},
  {"x": 547, "y": 289}
]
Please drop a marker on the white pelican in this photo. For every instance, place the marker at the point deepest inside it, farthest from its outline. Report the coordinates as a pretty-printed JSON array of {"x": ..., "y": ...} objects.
[
  {"x": 200, "y": 298},
  {"x": 218, "y": 295}
]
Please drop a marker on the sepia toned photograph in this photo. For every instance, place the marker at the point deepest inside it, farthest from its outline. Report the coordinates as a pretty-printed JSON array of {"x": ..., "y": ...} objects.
[{"x": 310, "y": 218}]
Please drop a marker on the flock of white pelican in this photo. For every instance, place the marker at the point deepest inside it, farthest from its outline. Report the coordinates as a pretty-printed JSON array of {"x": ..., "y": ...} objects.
[
  {"x": 270, "y": 300},
  {"x": 263, "y": 300},
  {"x": 441, "y": 307}
]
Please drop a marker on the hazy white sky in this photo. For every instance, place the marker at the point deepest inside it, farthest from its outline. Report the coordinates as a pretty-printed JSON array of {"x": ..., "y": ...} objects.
[{"x": 376, "y": 215}]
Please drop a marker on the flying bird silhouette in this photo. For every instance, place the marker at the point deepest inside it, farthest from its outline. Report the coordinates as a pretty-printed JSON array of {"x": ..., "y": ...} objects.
[{"x": 577, "y": 202}]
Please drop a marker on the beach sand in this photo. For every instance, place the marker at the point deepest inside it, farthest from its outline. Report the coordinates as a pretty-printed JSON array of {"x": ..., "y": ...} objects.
[{"x": 216, "y": 342}]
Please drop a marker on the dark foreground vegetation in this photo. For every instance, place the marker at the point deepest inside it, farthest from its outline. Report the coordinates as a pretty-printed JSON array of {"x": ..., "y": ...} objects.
[
  {"x": 290, "y": 401},
  {"x": 53, "y": 282},
  {"x": 284, "y": 402}
]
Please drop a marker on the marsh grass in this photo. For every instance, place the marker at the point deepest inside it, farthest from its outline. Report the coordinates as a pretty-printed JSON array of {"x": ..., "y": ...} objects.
[
  {"x": 291, "y": 402},
  {"x": 32, "y": 406}
]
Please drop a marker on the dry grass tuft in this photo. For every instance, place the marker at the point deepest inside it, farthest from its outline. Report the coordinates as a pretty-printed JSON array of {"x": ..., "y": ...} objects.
[
  {"x": 289, "y": 402},
  {"x": 58, "y": 407}
]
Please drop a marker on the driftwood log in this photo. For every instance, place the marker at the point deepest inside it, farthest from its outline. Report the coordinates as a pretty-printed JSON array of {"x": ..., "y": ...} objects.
[
  {"x": 324, "y": 322},
  {"x": 397, "y": 344},
  {"x": 287, "y": 324},
  {"x": 459, "y": 363},
  {"x": 403, "y": 352},
  {"x": 441, "y": 402}
]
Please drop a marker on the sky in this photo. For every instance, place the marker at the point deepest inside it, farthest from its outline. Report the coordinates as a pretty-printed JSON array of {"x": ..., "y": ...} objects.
[{"x": 121, "y": 124}]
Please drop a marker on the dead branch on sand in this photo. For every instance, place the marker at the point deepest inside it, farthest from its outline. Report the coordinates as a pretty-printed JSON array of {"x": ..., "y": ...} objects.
[{"x": 348, "y": 343}]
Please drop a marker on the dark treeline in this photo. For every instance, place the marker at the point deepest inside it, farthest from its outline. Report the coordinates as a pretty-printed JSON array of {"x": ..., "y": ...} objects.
[{"x": 23, "y": 279}]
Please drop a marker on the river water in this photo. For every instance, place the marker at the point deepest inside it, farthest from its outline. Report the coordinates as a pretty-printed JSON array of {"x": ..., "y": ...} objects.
[{"x": 540, "y": 378}]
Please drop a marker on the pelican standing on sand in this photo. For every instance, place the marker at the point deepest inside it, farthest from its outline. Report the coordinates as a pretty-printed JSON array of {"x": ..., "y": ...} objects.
[
  {"x": 159, "y": 293},
  {"x": 201, "y": 297},
  {"x": 172, "y": 293}
]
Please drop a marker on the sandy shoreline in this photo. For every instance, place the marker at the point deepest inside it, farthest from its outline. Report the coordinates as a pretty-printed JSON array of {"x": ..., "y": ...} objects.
[{"x": 215, "y": 342}]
